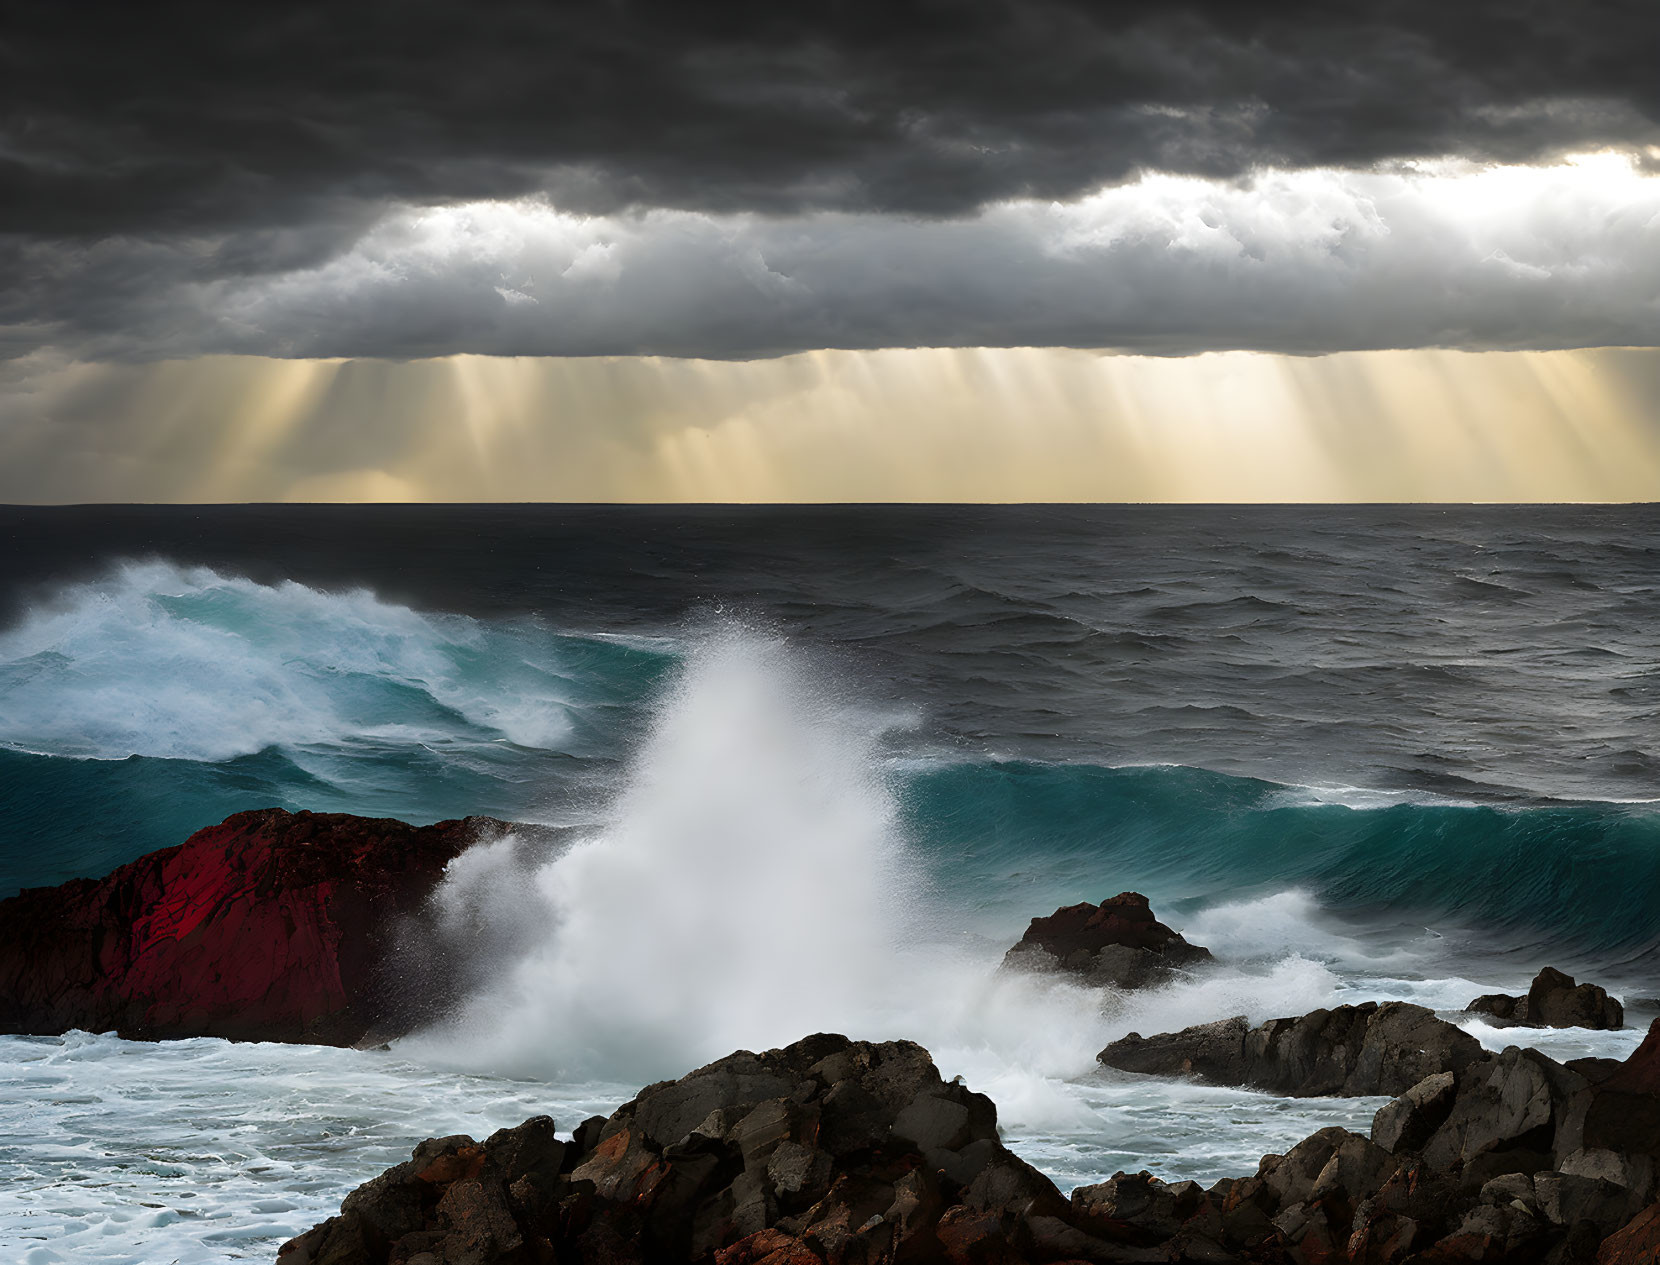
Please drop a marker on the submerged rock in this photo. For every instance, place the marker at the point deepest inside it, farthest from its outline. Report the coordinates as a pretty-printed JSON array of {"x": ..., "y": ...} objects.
[
  {"x": 1554, "y": 1001},
  {"x": 1117, "y": 943},
  {"x": 271, "y": 926},
  {"x": 1372, "y": 1048}
]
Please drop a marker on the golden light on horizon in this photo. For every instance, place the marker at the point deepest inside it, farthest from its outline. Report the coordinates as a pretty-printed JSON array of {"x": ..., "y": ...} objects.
[{"x": 981, "y": 424}]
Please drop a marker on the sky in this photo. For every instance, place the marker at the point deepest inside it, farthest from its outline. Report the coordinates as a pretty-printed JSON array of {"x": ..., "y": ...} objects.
[{"x": 968, "y": 251}]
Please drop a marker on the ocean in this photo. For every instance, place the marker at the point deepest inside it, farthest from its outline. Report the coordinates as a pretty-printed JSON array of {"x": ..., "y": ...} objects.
[{"x": 821, "y": 766}]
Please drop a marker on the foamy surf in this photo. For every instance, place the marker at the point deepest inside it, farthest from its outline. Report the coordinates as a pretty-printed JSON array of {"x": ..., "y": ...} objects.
[
  {"x": 185, "y": 663},
  {"x": 1429, "y": 863}
]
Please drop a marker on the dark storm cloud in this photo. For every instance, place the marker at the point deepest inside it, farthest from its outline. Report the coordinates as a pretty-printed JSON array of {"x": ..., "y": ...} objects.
[
  {"x": 154, "y": 118},
  {"x": 191, "y": 177}
]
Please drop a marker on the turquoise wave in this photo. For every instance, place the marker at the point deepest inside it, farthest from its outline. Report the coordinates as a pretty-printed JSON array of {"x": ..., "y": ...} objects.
[
  {"x": 160, "y": 699},
  {"x": 140, "y": 707},
  {"x": 1558, "y": 877},
  {"x": 1008, "y": 839}
]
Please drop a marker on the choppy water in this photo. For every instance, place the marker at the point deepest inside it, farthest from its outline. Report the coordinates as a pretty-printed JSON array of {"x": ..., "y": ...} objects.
[{"x": 826, "y": 764}]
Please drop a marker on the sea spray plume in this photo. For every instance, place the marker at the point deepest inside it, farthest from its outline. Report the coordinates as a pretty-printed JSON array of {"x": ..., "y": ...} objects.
[
  {"x": 753, "y": 882},
  {"x": 750, "y": 885}
]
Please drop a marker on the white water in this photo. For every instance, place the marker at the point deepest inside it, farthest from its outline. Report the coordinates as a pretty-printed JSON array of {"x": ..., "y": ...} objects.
[
  {"x": 750, "y": 884},
  {"x": 753, "y": 885},
  {"x": 197, "y": 1151},
  {"x": 183, "y": 662}
]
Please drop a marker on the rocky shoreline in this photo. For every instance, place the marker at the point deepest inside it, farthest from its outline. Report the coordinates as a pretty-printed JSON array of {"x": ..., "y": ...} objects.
[
  {"x": 296, "y": 927},
  {"x": 839, "y": 1152}
]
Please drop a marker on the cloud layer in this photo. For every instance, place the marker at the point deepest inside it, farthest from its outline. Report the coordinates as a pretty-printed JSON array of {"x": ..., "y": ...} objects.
[
  {"x": 407, "y": 177},
  {"x": 1310, "y": 261},
  {"x": 179, "y": 117}
]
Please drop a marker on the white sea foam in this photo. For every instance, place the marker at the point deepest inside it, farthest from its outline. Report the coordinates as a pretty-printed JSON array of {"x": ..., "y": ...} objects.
[
  {"x": 1560, "y": 1044},
  {"x": 198, "y": 1151},
  {"x": 162, "y": 660}
]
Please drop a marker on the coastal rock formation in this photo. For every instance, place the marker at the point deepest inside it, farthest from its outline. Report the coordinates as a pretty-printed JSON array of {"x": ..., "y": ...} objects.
[
  {"x": 835, "y": 1152},
  {"x": 1117, "y": 943},
  {"x": 828, "y": 1150},
  {"x": 271, "y": 926},
  {"x": 1372, "y": 1048},
  {"x": 1554, "y": 1001}
]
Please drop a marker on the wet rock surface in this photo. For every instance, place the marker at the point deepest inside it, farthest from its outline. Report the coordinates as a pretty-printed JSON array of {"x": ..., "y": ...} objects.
[
  {"x": 271, "y": 926},
  {"x": 1553, "y": 1001},
  {"x": 1374, "y": 1048},
  {"x": 826, "y": 1150},
  {"x": 833, "y": 1151},
  {"x": 1118, "y": 944}
]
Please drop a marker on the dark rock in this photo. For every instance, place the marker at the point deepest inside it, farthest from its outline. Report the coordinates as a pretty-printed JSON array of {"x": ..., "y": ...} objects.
[
  {"x": 1117, "y": 943},
  {"x": 1406, "y": 1123},
  {"x": 1594, "y": 1070},
  {"x": 1502, "y": 1164},
  {"x": 1353, "y": 1050},
  {"x": 1332, "y": 1164},
  {"x": 1553, "y": 1001},
  {"x": 271, "y": 926},
  {"x": 1491, "y": 1233},
  {"x": 1565, "y": 1200},
  {"x": 1432, "y": 1200},
  {"x": 829, "y": 1150},
  {"x": 1500, "y": 1006},
  {"x": 1154, "y": 1209},
  {"x": 834, "y": 1152},
  {"x": 1635, "y": 1172},
  {"x": 1381, "y": 1237},
  {"x": 1213, "y": 1052},
  {"x": 1611, "y": 1129},
  {"x": 1505, "y": 1103}
]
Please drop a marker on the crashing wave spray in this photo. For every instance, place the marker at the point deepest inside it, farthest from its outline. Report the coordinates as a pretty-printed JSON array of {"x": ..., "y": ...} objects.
[
  {"x": 754, "y": 885},
  {"x": 750, "y": 887}
]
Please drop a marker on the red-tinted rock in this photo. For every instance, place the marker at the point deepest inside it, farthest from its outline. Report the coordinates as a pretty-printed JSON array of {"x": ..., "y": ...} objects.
[
  {"x": 1640, "y": 1072},
  {"x": 271, "y": 926},
  {"x": 1637, "y": 1244},
  {"x": 1126, "y": 919}
]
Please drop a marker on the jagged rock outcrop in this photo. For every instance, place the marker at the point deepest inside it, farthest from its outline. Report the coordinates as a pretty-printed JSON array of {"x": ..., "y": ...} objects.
[
  {"x": 1117, "y": 943},
  {"x": 1372, "y": 1048},
  {"x": 835, "y": 1152},
  {"x": 1554, "y": 1001},
  {"x": 271, "y": 926},
  {"x": 828, "y": 1150}
]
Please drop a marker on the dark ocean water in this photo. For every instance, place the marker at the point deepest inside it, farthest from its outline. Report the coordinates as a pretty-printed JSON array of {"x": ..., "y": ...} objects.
[{"x": 1418, "y": 716}]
